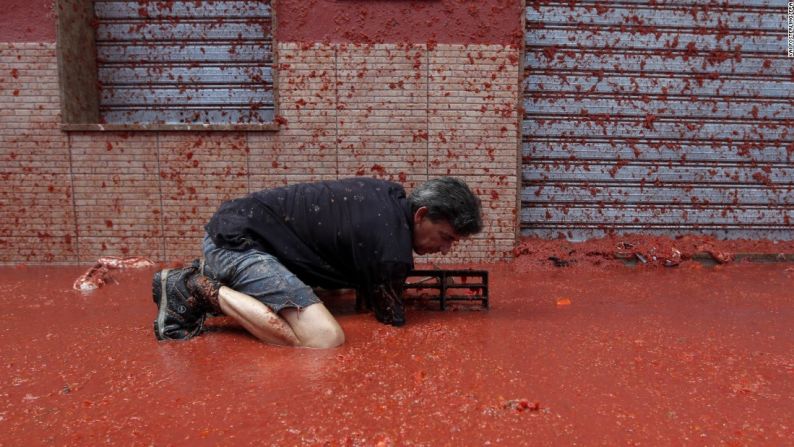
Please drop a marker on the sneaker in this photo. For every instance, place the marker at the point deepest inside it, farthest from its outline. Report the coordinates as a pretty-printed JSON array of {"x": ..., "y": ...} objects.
[{"x": 180, "y": 312}]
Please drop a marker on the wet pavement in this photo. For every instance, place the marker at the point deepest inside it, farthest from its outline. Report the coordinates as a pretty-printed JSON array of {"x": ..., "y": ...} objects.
[{"x": 578, "y": 355}]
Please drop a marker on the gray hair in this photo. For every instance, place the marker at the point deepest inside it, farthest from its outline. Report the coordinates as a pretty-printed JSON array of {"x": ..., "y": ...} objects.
[{"x": 449, "y": 199}]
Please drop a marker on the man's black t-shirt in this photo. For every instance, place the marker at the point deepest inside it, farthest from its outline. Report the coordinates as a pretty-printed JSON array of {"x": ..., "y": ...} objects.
[{"x": 334, "y": 234}]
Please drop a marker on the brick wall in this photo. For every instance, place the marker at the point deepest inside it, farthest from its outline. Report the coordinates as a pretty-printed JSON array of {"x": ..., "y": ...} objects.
[
  {"x": 400, "y": 112},
  {"x": 37, "y": 212}
]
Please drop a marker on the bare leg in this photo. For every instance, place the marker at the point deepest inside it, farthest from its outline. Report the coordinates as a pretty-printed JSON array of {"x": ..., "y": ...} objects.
[
  {"x": 312, "y": 327},
  {"x": 257, "y": 318}
]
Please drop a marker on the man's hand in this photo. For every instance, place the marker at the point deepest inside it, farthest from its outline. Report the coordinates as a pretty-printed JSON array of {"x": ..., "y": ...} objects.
[{"x": 388, "y": 305}]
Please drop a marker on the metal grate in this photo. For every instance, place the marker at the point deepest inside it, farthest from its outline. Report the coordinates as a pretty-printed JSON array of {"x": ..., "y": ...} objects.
[
  {"x": 658, "y": 117},
  {"x": 448, "y": 286},
  {"x": 185, "y": 62}
]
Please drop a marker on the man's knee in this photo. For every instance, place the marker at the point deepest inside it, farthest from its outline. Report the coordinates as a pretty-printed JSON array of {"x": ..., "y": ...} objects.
[
  {"x": 324, "y": 337},
  {"x": 314, "y": 326}
]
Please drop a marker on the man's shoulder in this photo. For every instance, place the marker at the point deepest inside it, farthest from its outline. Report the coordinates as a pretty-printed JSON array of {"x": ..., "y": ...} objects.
[
  {"x": 369, "y": 182},
  {"x": 344, "y": 183},
  {"x": 368, "y": 188},
  {"x": 355, "y": 191}
]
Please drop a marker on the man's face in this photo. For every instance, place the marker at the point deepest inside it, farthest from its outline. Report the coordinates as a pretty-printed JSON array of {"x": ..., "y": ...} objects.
[{"x": 432, "y": 236}]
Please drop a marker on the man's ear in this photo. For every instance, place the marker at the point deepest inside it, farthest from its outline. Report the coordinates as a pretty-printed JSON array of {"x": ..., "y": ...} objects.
[{"x": 420, "y": 214}]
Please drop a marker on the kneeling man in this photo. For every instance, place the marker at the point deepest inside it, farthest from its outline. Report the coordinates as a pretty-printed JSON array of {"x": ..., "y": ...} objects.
[{"x": 264, "y": 252}]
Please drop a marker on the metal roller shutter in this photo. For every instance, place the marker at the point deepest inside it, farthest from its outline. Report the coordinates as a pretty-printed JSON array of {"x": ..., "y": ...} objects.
[
  {"x": 658, "y": 117},
  {"x": 185, "y": 62}
]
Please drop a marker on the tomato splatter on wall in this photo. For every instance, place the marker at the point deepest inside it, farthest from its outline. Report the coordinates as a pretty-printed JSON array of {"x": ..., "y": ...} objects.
[
  {"x": 401, "y": 90},
  {"x": 418, "y": 21},
  {"x": 439, "y": 21},
  {"x": 27, "y": 21}
]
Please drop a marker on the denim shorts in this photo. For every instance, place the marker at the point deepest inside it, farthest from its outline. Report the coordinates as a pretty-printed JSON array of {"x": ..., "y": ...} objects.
[{"x": 258, "y": 274}]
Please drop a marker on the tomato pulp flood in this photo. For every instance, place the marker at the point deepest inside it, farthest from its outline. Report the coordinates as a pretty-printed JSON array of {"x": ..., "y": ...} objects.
[{"x": 577, "y": 354}]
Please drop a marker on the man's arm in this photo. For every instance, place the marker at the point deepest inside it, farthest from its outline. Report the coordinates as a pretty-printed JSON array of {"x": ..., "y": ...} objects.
[
  {"x": 388, "y": 304},
  {"x": 384, "y": 295}
]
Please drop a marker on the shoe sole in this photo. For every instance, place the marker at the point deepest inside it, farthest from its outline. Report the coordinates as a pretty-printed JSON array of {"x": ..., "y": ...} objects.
[{"x": 161, "y": 299}]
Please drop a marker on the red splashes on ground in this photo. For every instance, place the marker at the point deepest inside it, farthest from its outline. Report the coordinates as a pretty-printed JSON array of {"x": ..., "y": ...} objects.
[
  {"x": 646, "y": 250},
  {"x": 674, "y": 354}
]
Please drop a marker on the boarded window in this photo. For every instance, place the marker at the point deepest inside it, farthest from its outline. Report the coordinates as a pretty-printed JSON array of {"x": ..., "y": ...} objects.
[
  {"x": 166, "y": 65},
  {"x": 658, "y": 117},
  {"x": 184, "y": 62}
]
